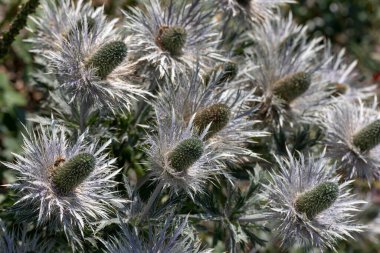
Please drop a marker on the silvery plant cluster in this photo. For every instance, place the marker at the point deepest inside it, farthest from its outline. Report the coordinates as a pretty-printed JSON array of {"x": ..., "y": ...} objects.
[{"x": 191, "y": 126}]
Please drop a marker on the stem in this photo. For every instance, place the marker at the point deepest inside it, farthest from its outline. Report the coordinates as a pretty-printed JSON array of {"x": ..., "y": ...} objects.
[
  {"x": 83, "y": 114},
  {"x": 18, "y": 23},
  {"x": 151, "y": 200}
]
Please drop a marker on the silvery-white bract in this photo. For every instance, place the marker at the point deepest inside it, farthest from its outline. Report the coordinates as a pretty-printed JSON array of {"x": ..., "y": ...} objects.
[
  {"x": 286, "y": 74},
  {"x": 40, "y": 200},
  {"x": 197, "y": 171},
  {"x": 171, "y": 36},
  {"x": 255, "y": 10},
  {"x": 341, "y": 75},
  {"x": 17, "y": 240},
  {"x": 299, "y": 175},
  {"x": 172, "y": 236},
  {"x": 342, "y": 122},
  {"x": 86, "y": 53}
]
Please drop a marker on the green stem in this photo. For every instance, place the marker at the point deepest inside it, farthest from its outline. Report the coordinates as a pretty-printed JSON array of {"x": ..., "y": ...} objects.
[
  {"x": 152, "y": 199},
  {"x": 18, "y": 23}
]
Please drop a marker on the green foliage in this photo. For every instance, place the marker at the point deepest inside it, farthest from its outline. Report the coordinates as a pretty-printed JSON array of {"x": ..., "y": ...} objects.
[
  {"x": 18, "y": 23},
  {"x": 317, "y": 199},
  {"x": 185, "y": 154},
  {"x": 108, "y": 57},
  {"x": 72, "y": 173}
]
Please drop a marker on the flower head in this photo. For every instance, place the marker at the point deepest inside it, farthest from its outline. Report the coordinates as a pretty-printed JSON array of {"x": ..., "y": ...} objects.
[
  {"x": 171, "y": 37},
  {"x": 179, "y": 157},
  {"x": 216, "y": 108},
  {"x": 341, "y": 76},
  {"x": 307, "y": 205},
  {"x": 63, "y": 185},
  {"x": 286, "y": 76},
  {"x": 352, "y": 132},
  {"x": 87, "y": 55}
]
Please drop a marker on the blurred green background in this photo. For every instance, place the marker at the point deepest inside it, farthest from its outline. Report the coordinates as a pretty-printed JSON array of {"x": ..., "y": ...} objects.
[{"x": 354, "y": 24}]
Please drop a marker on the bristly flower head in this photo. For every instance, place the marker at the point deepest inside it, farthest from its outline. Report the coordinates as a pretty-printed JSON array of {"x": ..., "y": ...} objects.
[
  {"x": 86, "y": 54},
  {"x": 341, "y": 76},
  {"x": 286, "y": 72},
  {"x": 352, "y": 138},
  {"x": 17, "y": 240},
  {"x": 179, "y": 157},
  {"x": 62, "y": 185},
  {"x": 172, "y": 236},
  {"x": 171, "y": 36},
  {"x": 307, "y": 205},
  {"x": 255, "y": 10},
  {"x": 215, "y": 107}
]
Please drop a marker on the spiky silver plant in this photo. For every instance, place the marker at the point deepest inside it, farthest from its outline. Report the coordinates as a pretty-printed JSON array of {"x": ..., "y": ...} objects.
[
  {"x": 307, "y": 204},
  {"x": 17, "y": 240},
  {"x": 179, "y": 157},
  {"x": 287, "y": 78},
  {"x": 352, "y": 138},
  {"x": 215, "y": 107},
  {"x": 63, "y": 185},
  {"x": 255, "y": 10},
  {"x": 342, "y": 76},
  {"x": 171, "y": 35},
  {"x": 172, "y": 236},
  {"x": 87, "y": 55}
]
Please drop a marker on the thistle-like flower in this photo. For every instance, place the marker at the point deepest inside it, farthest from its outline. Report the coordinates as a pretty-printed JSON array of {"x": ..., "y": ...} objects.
[
  {"x": 171, "y": 37},
  {"x": 307, "y": 205},
  {"x": 352, "y": 138},
  {"x": 286, "y": 75},
  {"x": 17, "y": 240},
  {"x": 215, "y": 107},
  {"x": 255, "y": 10},
  {"x": 86, "y": 54},
  {"x": 180, "y": 158},
  {"x": 341, "y": 76},
  {"x": 172, "y": 236},
  {"x": 62, "y": 185}
]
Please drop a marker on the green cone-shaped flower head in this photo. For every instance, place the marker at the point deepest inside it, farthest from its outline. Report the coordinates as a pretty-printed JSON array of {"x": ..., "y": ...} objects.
[
  {"x": 218, "y": 115},
  {"x": 185, "y": 154},
  {"x": 171, "y": 39},
  {"x": 318, "y": 199},
  {"x": 292, "y": 86},
  {"x": 368, "y": 137},
  {"x": 108, "y": 57},
  {"x": 70, "y": 174}
]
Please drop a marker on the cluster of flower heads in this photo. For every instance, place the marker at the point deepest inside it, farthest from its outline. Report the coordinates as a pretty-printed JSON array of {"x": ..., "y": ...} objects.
[{"x": 211, "y": 106}]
